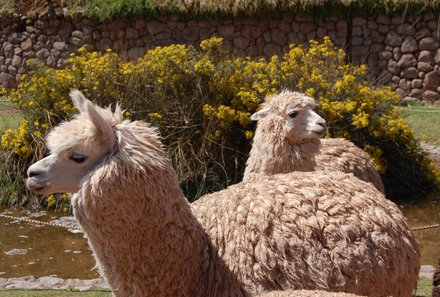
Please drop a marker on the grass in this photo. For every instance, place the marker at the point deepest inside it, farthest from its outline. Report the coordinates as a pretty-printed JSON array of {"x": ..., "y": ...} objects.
[
  {"x": 425, "y": 121},
  {"x": 107, "y": 9},
  {"x": 9, "y": 116},
  {"x": 424, "y": 289},
  {"x": 53, "y": 293}
]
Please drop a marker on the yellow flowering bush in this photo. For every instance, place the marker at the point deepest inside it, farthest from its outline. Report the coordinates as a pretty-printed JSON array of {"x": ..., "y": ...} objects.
[{"x": 202, "y": 99}]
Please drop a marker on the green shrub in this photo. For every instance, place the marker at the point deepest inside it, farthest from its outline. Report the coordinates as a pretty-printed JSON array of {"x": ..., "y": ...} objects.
[{"x": 202, "y": 100}]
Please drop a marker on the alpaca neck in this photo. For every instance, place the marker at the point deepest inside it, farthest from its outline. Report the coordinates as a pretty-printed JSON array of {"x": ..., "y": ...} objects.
[
  {"x": 271, "y": 154},
  {"x": 144, "y": 236}
]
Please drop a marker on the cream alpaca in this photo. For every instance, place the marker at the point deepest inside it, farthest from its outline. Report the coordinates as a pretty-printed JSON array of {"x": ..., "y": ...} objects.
[
  {"x": 288, "y": 139},
  {"x": 301, "y": 230}
]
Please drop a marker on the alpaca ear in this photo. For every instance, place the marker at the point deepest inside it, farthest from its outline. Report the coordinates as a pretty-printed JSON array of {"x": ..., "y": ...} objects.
[
  {"x": 78, "y": 100},
  {"x": 101, "y": 124},
  {"x": 260, "y": 114}
]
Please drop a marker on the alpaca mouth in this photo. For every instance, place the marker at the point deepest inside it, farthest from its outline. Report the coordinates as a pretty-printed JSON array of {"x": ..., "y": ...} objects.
[
  {"x": 319, "y": 132},
  {"x": 34, "y": 186}
]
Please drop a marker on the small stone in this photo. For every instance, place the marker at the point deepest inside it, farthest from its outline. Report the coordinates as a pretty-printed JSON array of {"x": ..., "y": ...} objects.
[
  {"x": 226, "y": 31},
  {"x": 383, "y": 29},
  {"x": 409, "y": 45},
  {"x": 407, "y": 29},
  {"x": 384, "y": 20},
  {"x": 401, "y": 93},
  {"x": 139, "y": 24},
  {"x": 77, "y": 34},
  {"x": 410, "y": 72},
  {"x": 437, "y": 57},
  {"x": 42, "y": 54},
  {"x": 357, "y": 31},
  {"x": 417, "y": 84},
  {"x": 59, "y": 46},
  {"x": 422, "y": 33},
  {"x": 7, "y": 80},
  {"x": 407, "y": 60},
  {"x": 284, "y": 26},
  {"x": 278, "y": 37},
  {"x": 407, "y": 100},
  {"x": 431, "y": 81},
  {"x": 103, "y": 44},
  {"x": 418, "y": 93},
  {"x": 241, "y": 42},
  {"x": 377, "y": 48},
  {"x": 96, "y": 35},
  {"x": 18, "y": 51},
  {"x": 359, "y": 21},
  {"x": 12, "y": 70},
  {"x": 430, "y": 96},
  {"x": 306, "y": 28},
  {"x": 271, "y": 49},
  {"x": 154, "y": 27},
  {"x": 396, "y": 20},
  {"x": 428, "y": 43},
  {"x": 116, "y": 25},
  {"x": 426, "y": 56},
  {"x": 393, "y": 67},
  {"x": 377, "y": 37},
  {"x": 425, "y": 67},
  {"x": 385, "y": 55},
  {"x": 131, "y": 33},
  {"x": 26, "y": 45},
  {"x": 393, "y": 39},
  {"x": 16, "y": 61},
  {"x": 75, "y": 41}
]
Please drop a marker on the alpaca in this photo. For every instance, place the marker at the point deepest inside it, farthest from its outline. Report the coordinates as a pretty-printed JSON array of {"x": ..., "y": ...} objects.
[
  {"x": 294, "y": 231},
  {"x": 288, "y": 138}
]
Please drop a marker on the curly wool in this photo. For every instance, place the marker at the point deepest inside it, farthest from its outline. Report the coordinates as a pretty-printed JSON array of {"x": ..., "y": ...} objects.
[
  {"x": 300, "y": 230},
  {"x": 312, "y": 230},
  {"x": 276, "y": 150}
]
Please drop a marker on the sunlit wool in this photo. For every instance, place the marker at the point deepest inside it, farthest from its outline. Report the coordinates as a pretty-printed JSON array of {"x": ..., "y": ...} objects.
[
  {"x": 279, "y": 145},
  {"x": 300, "y": 230}
]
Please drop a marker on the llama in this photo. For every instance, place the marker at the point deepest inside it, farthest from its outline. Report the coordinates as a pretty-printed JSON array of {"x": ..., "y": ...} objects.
[
  {"x": 293, "y": 231},
  {"x": 288, "y": 138}
]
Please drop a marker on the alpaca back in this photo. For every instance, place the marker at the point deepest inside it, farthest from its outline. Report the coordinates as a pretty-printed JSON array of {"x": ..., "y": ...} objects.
[
  {"x": 310, "y": 230},
  {"x": 339, "y": 154}
]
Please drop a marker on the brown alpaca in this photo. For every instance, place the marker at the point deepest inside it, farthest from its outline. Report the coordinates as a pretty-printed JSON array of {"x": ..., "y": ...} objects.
[
  {"x": 294, "y": 231},
  {"x": 288, "y": 139}
]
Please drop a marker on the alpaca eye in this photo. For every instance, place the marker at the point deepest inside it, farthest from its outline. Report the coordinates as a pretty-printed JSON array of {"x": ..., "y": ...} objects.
[
  {"x": 293, "y": 114},
  {"x": 78, "y": 158}
]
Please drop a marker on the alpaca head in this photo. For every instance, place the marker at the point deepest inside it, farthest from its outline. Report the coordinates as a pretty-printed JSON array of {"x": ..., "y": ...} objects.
[
  {"x": 291, "y": 116},
  {"x": 76, "y": 148}
]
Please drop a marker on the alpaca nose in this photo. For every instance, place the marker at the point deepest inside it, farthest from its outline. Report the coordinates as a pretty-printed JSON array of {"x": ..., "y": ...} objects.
[{"x": 31, "y": 172}]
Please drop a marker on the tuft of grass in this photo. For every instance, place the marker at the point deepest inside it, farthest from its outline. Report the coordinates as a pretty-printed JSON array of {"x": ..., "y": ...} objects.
[
  {"x": 108, "y": 9},
  {"x": 424, "y": 287},
  {"x": 9, "y": 116},
  {"x": 425, "y": 121}
]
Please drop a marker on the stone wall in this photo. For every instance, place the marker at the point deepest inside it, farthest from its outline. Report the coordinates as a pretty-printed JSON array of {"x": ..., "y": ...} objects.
[{"x": 402, "y": 53}]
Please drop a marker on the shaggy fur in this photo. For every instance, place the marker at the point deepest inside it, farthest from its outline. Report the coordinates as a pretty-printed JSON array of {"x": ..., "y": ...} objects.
[
  {"x": 300, "y": 230},
  {"x": 279, "y": 145},
  {"x": 312, "y": 230}
]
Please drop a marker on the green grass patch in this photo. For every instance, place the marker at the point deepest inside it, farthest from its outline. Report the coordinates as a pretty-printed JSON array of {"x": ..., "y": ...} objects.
[
  {"x": 9, "y": 116},
  {"x": 108, "y": 9},
  {"x": 425, "y": 121},
  {"x": 53, "y": 293},
  {"x": 424, "y": 287}
]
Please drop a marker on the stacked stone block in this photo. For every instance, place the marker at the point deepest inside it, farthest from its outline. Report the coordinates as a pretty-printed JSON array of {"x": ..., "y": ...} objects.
[{"x": 401, "y": 53}]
